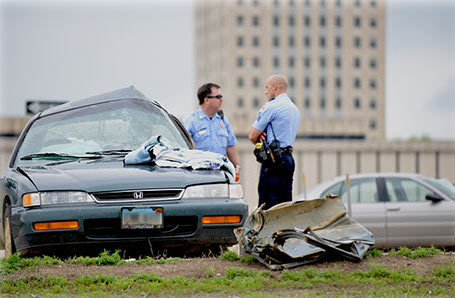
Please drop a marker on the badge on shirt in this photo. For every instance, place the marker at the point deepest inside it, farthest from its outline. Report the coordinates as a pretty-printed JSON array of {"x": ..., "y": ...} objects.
[{"x": 202, "y": 132}]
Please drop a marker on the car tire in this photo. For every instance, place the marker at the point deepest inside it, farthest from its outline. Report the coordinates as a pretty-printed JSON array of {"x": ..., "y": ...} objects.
[{"x": 10, "y": 248}]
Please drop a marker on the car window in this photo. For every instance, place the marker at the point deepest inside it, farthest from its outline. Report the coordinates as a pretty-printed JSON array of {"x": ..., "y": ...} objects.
[
  {"x": 362, "y": 190},
  {"x": 334, "y": 189},
  {"x": 443, "y": 185},
  {"x": 406, "y": 190},
  {"x": 124, "y": 124}
]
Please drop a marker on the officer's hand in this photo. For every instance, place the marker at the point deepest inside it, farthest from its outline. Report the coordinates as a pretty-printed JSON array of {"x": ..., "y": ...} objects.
[
  {"x": 262, "y": 137},
  {"x": 237, "y": 174}
]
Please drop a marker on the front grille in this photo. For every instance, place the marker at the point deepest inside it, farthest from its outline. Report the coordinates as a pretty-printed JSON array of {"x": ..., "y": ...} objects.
[
  {"x": 138, "y": 195},
  {"x": 110, "y": 228}
]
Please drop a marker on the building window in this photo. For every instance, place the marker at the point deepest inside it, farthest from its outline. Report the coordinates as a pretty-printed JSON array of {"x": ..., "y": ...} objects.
[
  {"x": 239, "y": 20},
  {"x": 240, "y": 102},
  {"x": 307, "y": 102},
  {"x": 373, "y": 104},
  {"x": 338, "y": 103},
  {"x": 322, "y": 103},
  {"x": 291, "y": 62},
  {"x": 255, "y": 21},
  {"x": 322, "y": 21},
  {"x": 240, "y": 41},
  {"x": 291, "y": 3},
  {"x": 372, "y": 124},
  {"x": 322, "y": 3},
  {"x": 291, "y": 21},
  {"x": 357, "y": 42},
  {"x": 239, "y": 2},
  {"x": 307, "y": 2},
  {"x": 322, "y": 83},
  {"x": 307, "y": 21},
  {"x": 276, "y": 20},
  {"x": 276, "y": 61},
  {"x": 322, "y": 41},
  {"x": 256, "y": 62},
  {"x": 307, "y": 62},
  {"x": 307, "y": 82},
  {"x": 276, "y": 41},
  {"x": 291, "y": 41},
  {"x": 256, "y": 102},
  {"x": 373, "y": 43},
  {"x": 338, "y": 62},
  {"x": 338, "y": 82},
  {"x": 322, "y": 62},
  {"x": 338, "y": 3},
  {"x": 373, "y": 84},
  {"x": 373, "y": 3},
  {"x": 291, "y": 82},
  {"x": 307, "y": 41},
  {"x": 239, "y": 61},
  {"x": 338, "y": 41},
  {"x": 240, "y": 82},
  {"x": 373, "y": 23},
  {"x": 357, "y": 83},
  {"x": 357, "y": 62},
  {"x": 373, "y": 63},
  {"x": 255, "y": 41},
  {"x": 276, "y": 2},
  {"x": 338, "y": 21},
  {"x": 357, "y": 21},
  {"x": 255, "y": 82},
  {"x": 357, "y": 3},
  {"x": 357, "y": 103},
  {"x": 255, "y": 2}
]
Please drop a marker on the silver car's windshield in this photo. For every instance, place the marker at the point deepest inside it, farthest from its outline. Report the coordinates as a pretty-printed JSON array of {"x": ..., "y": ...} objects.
[
  {"x": 444, "y": 186},
  {"x": 119, "y": 125}
]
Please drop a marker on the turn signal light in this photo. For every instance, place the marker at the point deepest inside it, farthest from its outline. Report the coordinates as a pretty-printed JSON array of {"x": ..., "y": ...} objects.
[
  {"x": 221, "y": 219},
  {"x": 56, "y": 225}
]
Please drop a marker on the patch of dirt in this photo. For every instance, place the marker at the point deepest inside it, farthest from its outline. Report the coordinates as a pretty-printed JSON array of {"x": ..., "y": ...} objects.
[{"x": 199, "y": 267}]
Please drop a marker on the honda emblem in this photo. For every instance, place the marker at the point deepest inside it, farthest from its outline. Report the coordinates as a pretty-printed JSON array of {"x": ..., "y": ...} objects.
[{"x": 138, "y": 195}]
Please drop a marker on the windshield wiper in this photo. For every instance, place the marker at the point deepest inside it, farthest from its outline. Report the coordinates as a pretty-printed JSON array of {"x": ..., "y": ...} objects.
[
  {"x": 53, "y": 155},
  {"x": 111, "y": 152}
]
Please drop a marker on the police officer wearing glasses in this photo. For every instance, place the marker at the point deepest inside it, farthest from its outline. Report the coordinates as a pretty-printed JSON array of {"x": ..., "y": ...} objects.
[
  {"x": 276, "y": 125},
  {"x": 209, "y": 128}
]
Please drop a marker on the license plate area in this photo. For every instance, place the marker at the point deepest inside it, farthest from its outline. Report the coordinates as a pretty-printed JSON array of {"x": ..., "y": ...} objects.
[{"x": 142, "y": 218}]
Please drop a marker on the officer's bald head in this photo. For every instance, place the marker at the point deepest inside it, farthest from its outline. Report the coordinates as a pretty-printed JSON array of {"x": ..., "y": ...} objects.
[
  {"x": 275, "y": 85},
  {"x": 280, "y": 81}
]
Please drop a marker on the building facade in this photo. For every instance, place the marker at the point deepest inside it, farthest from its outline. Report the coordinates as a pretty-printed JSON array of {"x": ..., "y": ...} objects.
[{"x": 331, "y": 51}]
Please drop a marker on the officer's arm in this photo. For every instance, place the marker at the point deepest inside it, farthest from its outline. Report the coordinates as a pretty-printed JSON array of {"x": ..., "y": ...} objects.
[
  {"x": 256, "y": 135},
  {"x": 231, "y": 153}
]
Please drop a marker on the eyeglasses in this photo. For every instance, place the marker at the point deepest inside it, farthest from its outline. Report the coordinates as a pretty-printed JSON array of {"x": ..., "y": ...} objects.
[{"x": 217, "y": 97}]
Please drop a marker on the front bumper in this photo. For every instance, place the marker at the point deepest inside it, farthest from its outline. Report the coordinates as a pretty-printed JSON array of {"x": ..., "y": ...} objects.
[{"x": 100, "y": 224}]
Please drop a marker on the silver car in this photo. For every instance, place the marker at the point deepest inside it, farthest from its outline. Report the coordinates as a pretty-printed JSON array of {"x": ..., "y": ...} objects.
[{"x": 399, "y": 209}]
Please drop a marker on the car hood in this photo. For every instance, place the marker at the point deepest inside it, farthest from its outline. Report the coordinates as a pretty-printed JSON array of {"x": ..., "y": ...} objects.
[{"x": 96, "y": 176}]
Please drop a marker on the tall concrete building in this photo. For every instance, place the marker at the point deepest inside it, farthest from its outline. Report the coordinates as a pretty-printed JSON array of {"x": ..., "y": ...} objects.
[{"x": 331, "y": 51}]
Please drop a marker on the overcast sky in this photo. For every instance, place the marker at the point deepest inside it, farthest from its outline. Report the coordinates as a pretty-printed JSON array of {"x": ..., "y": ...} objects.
[{"x": 69, "y": 49}]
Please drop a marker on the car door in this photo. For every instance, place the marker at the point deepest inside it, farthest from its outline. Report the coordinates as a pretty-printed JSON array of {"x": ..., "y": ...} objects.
[
  {"x": 413, "y": 220},
  {"x": 366, "y": 205}
]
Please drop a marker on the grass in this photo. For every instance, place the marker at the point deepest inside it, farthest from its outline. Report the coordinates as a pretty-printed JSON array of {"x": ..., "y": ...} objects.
[{"x": 376, "y": 281}]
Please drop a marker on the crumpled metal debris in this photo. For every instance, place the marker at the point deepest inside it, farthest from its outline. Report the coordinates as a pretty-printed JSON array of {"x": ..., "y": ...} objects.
[{"x": 296, "y": 233}]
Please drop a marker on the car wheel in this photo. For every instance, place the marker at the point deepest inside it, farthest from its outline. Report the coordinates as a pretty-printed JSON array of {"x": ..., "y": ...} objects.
[{"x": 10, "y": 248}]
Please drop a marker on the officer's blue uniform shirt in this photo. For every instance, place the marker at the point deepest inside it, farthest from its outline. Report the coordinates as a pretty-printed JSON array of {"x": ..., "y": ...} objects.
[
  {"x": 285, "y": 119},
  {"x": 210, "y": 134}
]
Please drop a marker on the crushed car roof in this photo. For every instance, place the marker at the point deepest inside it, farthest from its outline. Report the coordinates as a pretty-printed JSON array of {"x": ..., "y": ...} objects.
[{"x": 125, "y": 93}]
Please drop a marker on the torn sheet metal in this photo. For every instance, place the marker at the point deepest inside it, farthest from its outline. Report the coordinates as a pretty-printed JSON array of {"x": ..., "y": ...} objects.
[
  {"x": 157, "y": 150},
  {"x": 297, "y": 233}
]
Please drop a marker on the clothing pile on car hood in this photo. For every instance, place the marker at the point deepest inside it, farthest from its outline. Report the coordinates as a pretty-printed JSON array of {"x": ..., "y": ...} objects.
[
  {"x": 292, "y": 234},
  {"x": 158, "y": 151}
]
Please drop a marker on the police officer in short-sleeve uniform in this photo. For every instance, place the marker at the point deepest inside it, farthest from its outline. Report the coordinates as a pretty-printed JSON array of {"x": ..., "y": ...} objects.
[
  {"x": 209, "y": 128},
  {"x": 278, "y": 120}
]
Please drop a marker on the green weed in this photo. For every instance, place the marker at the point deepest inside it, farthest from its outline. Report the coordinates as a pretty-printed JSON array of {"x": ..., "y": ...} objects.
[
  {"x": 105, "y": 258},
  {"x": 420, "y": 252},
  {"x": 151, "y": 261},
  {"x": 373, "y": 253}
]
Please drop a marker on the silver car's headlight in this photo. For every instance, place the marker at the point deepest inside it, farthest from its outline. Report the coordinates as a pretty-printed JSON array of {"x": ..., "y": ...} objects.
[
  {"x": 56, "y": 197},
  {"x": 214, "y": 191}
]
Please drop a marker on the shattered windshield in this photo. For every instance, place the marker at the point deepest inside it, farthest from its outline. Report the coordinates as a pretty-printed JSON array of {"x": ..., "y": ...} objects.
[{"x": 113, "y": 126}]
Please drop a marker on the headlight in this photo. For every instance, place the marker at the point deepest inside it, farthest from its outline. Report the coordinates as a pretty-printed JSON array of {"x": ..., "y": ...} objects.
[
  {"x": 214, "y": 191},
  {"x": 56, "y": 197}
]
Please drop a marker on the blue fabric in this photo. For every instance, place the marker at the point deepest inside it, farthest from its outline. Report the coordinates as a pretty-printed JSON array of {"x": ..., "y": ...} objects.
[
  {"x": 213, "y": 135},
  {"x": 285, "y": 119},
  {"x": 275, "y": 182}
]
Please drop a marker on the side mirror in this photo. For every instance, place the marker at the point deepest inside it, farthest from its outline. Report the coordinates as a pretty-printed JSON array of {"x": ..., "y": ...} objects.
[{"x": 433, "y": 197}]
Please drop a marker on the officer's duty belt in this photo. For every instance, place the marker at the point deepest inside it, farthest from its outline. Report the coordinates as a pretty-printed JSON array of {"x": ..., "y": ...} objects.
[{"x": 286, "y": 150}]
